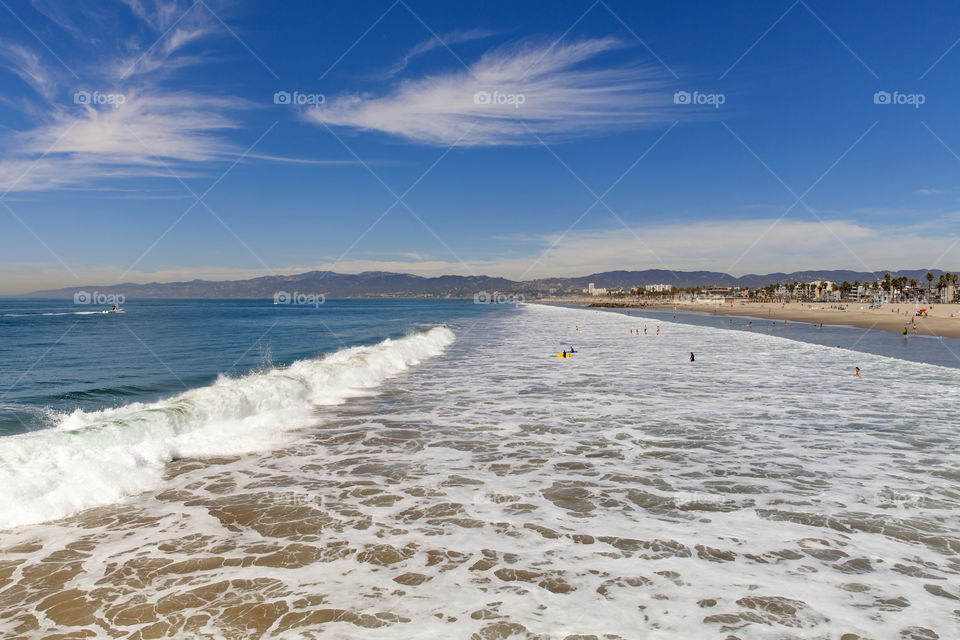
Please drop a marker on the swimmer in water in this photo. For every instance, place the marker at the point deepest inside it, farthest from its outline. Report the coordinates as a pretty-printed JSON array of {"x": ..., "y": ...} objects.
[
  {"x": 658, "y": 329},
  {"x": 857, "y": 373},
  {"x": 692, "y": 359},
  {"x": 644, "y": 329}
]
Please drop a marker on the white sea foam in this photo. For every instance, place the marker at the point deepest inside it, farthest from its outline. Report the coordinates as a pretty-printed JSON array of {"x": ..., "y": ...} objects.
[
  {"x": 90, "y": 458},
  {"x": 760, "y": 492}
]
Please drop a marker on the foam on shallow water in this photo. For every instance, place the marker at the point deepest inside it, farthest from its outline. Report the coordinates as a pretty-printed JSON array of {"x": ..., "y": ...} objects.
[
  {"x": 497, "y": 491},
  {"x": 97, "y": 457}
]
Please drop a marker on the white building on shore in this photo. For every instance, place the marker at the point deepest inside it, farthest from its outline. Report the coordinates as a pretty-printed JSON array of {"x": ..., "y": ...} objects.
[
  {"x": 658, "y": 288},
  {"x": 594, "y": 291}
]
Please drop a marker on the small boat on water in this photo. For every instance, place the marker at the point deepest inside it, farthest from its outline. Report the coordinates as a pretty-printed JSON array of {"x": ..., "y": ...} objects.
[{"x": 114, "y": 309}]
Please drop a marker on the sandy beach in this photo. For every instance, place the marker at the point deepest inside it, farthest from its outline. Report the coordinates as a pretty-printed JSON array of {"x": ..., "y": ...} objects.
[{"x": 942, "y": 320}]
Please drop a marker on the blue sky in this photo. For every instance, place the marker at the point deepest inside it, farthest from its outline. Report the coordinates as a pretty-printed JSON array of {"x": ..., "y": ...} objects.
[{"x": 141, "y": 140}]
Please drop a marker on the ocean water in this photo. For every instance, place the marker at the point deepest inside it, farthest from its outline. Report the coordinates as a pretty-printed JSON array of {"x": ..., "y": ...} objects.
[
  {"x": 916, "y": 348},
  {"x": 459, "y": 481},
  {"x": 56, "y": 357}
]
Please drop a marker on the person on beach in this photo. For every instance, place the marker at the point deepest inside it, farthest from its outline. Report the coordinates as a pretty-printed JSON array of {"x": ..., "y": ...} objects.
[
  {"x": 692, "y": 359},
  {"x": 857, "y": 372}
]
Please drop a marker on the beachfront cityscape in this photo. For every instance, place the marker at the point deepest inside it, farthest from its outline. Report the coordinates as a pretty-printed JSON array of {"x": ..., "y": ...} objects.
[{"x": 398, "y": 319}]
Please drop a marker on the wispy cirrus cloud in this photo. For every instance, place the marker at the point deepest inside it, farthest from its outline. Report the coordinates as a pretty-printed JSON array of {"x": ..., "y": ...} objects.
[
  {"x": 28, "y": 66},
  {"x": 549, "y": 89},
  {"x": 122, "y": 120},
  {"x": 441, "y": 41},
  {"x": 146, "y": 134},
  {"x": 180, "y": 25}
]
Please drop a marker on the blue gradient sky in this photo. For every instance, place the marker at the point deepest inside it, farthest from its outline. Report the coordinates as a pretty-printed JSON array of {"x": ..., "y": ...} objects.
[{"x": 198, "y": 173}]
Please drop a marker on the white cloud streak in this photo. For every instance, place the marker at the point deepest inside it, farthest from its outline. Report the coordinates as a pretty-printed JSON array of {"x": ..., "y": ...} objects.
[
  {"x": 28, "y": 66},
  {"x": 562, "y": 96},
  {"x": 147, "y": 130},
  {"x": 444, "y": 40}
]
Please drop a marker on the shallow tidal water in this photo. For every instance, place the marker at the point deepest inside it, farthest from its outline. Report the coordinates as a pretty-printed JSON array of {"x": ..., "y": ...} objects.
[{"x": 479, "y": 487}]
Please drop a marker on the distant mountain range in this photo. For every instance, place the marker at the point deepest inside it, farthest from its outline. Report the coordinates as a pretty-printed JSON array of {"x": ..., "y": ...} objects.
[{"x": 383, "y": 283}]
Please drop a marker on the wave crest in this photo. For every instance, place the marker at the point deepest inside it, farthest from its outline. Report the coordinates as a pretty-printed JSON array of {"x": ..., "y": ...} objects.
[{"x": 90, "y": 458}]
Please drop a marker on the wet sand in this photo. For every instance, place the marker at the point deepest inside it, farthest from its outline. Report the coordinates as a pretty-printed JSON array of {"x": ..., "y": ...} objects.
[
  {"x": 943, "y": 320},
  {"x": 515, "y": 495}
]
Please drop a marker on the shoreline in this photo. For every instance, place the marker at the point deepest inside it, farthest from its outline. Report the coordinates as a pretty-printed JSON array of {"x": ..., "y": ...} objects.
[{"x": 942, "y": 321}]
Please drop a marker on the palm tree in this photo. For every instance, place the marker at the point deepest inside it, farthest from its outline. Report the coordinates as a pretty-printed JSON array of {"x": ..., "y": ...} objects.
[
  {"x": 929, "y": 278},
  {"x": 942, "y": 281}
]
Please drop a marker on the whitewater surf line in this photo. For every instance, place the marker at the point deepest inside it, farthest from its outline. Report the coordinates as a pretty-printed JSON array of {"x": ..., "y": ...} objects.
[{"x": 92, "y": 458}]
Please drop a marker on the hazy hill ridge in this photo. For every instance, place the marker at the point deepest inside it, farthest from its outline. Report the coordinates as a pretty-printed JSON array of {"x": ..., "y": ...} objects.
[{"x": 384, "y": 283}]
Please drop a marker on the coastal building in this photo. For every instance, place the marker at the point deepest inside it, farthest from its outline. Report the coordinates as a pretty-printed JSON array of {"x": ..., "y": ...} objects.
[
  {"x": 718, "y": 291},
  {"x": 658, "y": 288},
  {"x": 948, "y": 293},
  {"x": 595, "y": 291}
]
